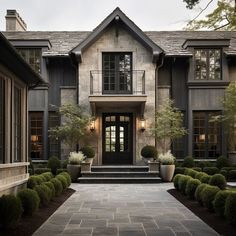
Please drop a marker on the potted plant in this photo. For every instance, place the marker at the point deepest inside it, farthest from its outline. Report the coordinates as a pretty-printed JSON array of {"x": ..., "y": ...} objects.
[
  {"x": 89, "y": 153},
  {"x": 73, "y": 166},
  {"x": 167, "y": 166},
  {"x": 148, "y": 153}
]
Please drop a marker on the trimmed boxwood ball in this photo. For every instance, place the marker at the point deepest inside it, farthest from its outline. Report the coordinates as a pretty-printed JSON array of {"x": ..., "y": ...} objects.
[
  {"x": 54, "y": 164},
  {"x": 61, "y": 170},
  {"x": 218, "y": 180},
  {"x": 47, "y": 175},
  {"x": 63, "y": 181},
  {"x": 190, "y": 172},
  {"x": 207, "y": 196},
  {"x": 179, "y": 170},
  {"x": 205, "y": 179},
  {"x": 176, "y": 180},
  {"x": 10, "y": 211},
  {"x": 29, "y": 200},
  {"x": 32, "y": 182},
  {"x": 219, "y": 202},
  {"x": 224, "y": 173},
  {"x": 67, "y": 176},
  {"x": 232, "y": 174},
  {"x": 198, "y": 169},
  {"x": 230, "y": 208},
  {"x": 197, "y": 194},
  {"x": 199, "y": 175},
  {"x": 211, "y": 170},
  {"x": 40, "y": 179},
  {"x": 88, "y": 152},
  {"x": 58, "y": 186},
  {"x": 50, "y": 185},
  {"x": 188, "y": 162},
  {"x": 149, "y": 151},
  {"x": 182, "y": 182},
  {"x": 222, "y": 162},
  {"x": 191, "y": 187},
  {"x": 44, "y": 194},
  {"x": 39, "y": 171}
]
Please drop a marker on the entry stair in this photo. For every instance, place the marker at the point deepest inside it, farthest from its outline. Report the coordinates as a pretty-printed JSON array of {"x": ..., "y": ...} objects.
[{"x": 120, "y": 175}]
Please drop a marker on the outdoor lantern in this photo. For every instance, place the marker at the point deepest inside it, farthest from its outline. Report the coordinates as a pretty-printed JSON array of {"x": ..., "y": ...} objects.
[
  {"x": 92, "y": 125},
  {"x": 142, "y": 124}
]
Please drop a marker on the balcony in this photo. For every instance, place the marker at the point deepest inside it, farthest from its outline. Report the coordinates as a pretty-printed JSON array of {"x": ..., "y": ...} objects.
[{"x": 109, "y": 88}]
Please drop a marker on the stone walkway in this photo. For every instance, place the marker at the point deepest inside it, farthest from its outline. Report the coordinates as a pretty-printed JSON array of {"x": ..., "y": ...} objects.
[{"x": 123, "y": 210}]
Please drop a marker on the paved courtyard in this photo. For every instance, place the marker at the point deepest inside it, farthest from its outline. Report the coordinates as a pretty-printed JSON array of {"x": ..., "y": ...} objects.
[{"x": 123, "y": 210}]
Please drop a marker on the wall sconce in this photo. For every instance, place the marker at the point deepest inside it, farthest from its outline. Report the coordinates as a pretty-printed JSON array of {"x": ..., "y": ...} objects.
[
  {"x": 202, "y": 137},
  {"x": 34, "y": 138},
  {"x": 142, "y": 124},
  {"x": 92, "y": 125}
]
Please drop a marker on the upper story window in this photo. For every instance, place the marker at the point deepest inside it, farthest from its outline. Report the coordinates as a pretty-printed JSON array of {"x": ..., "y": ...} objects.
[
  {"x": 32, "y": 56},
  {"x": 207, "y": 64}
]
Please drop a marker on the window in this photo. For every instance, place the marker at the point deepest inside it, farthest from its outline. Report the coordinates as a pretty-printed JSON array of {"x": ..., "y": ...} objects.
[
  {"x": 2, "y": 118},
  {"x": 36, "y": 135},
  {"x": 207, "y": 64},
  {"x": 54, "y": 145},
  {"x": 32, "y": 56},
  {"x": 206, "y": 135},
  {"x": 17, "y": 125}
]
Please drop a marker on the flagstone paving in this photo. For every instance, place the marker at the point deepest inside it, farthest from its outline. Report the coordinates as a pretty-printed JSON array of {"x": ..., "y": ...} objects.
[{"x": 123, "y": 210}]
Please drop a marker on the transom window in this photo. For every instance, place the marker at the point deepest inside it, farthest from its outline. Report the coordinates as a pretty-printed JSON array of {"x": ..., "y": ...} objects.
[
  {"x": 207, "y": 64},
  {"x": 32, "y": 56}
]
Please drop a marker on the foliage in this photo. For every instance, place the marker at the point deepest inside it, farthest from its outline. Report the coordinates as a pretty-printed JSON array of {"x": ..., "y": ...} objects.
[
  {"x": 88, "y": 152},
  {"x": 218, "y": 180},
  {"x": 47, "y": 175},
  {"x": 205, "y": 179},
  {"x": 198, "y": 169},
  {"x": 191, "y": 3},
  {"x": 188, "y": 162},
  {"x": 219, "y": 202},
  {"x": 180, "y": 170},
  {"x": 190, "y": 172},
  {"x": 50, "y": 185},
  {"x": 207, "y": 196},
  {"x": 166, "y": 158},
  {"x": 54, "y": 164},
  {"x": 176, "y": 181},
  {"x": 232, "y": 174},
  {"x": 11, "y": 210},
  {"x": 74, "y": 126},
  {"x": 29, "y": 200},
  {"x": 58, "y": 186},
  {"x": 230, "y": 208},
  {"x": 222, "y": 162},
  {"x": 44, "y": 194},
  {"x": 211, "y": 170},
  {"x": 67, "y": 176},
  {"x": 168, "y": 124},
  {"x": 39, "y": 171},
  {"x": 197, "y": 194},
  {"x": 64, "y": 164},
  {"x": 61, "y": 170},
  {"x": 149, "y": 151},
  {"x": 224, "y": 173},
  {"x": 75, "y": 158},
  {"x": 63, "y": 181},
  {"x": 191, "y": 187},
  {"x": 182, "y": 182},
  {"x": 199, "y": 175},
  {"x": 32, "y": 182}
]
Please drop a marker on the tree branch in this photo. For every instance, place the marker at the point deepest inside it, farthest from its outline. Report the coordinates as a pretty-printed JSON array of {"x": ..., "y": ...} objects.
[{"x": 222, "y": 26}]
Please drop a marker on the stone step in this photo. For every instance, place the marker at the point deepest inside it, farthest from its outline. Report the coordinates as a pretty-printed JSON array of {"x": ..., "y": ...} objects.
[
  {"x": 119, "y": 180},
  {"x": 120, "y": 174},
  {"x": 119, "y": 169}
]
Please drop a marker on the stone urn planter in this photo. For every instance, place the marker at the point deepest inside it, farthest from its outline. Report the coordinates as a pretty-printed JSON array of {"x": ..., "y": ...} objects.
[
  {"x": 153, "y": 166},
  {"x": 86, "y": 167},
  {"x": 167, "y": 172},
  {"x": 74, "y": 171},
  {"x": 89, "y": 160},
  {"x": 232, "y": 157}
]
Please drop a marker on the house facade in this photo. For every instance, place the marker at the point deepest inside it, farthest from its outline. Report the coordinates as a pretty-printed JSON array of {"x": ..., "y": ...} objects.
[
  {"x": 16, "y": 77},
  {"x": 121, "y": 75}
]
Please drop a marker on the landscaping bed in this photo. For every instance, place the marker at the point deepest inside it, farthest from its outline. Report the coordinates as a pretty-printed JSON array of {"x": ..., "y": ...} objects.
[
  {"x": 220, "y": 225},
  {"x": 29, "y": 224}
]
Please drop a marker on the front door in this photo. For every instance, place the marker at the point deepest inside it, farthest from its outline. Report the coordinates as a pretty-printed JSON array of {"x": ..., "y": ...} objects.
[{"x": 117, "y": 139}]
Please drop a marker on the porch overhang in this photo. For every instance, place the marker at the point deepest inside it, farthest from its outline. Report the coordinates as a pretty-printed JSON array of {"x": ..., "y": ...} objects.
[{"x": 118, "y": 101}]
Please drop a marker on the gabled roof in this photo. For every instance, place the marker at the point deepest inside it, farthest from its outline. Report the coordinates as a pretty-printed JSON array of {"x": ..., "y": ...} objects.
[{"x": 118, "y": 16}]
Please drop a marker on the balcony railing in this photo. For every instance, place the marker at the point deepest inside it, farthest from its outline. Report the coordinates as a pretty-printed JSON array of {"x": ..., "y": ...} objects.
[{"x": 104, "y": 82}]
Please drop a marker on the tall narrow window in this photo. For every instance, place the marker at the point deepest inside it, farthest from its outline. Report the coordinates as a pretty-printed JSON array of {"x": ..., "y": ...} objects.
[
  {"x": 2, "y": 119},
  {"x": 17, "y": 125},
  {"x": 206, "y": 135},
  {"x": 36, "y": 135},
  {"x": 207, "y": 64}
]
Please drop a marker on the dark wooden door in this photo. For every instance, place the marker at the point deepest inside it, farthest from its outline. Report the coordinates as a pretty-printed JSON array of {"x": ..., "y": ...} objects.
[{"x": 117, "y": 139}]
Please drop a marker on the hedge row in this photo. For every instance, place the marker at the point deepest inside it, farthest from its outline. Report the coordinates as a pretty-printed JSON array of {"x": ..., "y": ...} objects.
[
  {"x": 210, "y": 194},
  {"x": 41, "y": 189}
]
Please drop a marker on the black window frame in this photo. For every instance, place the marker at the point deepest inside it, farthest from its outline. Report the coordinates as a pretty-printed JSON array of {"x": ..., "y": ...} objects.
[{"x": 2, "y": 120}]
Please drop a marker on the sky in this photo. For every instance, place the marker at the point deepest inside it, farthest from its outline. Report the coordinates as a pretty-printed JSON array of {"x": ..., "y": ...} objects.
[{"x": 85, "y": 15}]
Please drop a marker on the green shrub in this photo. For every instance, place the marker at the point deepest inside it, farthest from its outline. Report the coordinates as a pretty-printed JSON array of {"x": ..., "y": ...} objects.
[
  {"x": 232, "y": 174},
  {"x": 88, "y": 152},
  {"x": 67, "y": 176},
  {"x": 29, "y": 200},
  {"x": 61, "y": 170},
  {"x": 58, "y": 186},
  {"x": 207, "y": 196},
  {"x": 32, "y": 182},
  {"x": 218, "y": 180},
  {"x": 211, "y": 170},
  {"x": 197, "y": 194},
  {"x": 199, "y": 175},
  {"x": 30, "y": 171},
  {"x": 64, "y": 164},
  {"x": 10, "y": 211},
  {"x": 222, "y": 162},
  {"x": 200, "y": 164},
  {"x": 63, "y": 181},
  {"x": 176, "y": 180},
  {"x": 50, "y": 185},
  {"x": 190, "y": 172},
  {"x": 180, "y": 170},
  {"x": 39, "y": 171},
  {"x": 149, "y": 151},
  {"x": 40, "y": 179},
  {"x": 44, "y": 194},
  {"x": 229, "y": 168},
  {"x": 54, "y": 164},
  {"x": 47, "y": 175},
  {"x": 198, "y": 169},
  {"x": 230, "y": 208},
  {"x": 219, "y": 202},
  {"x": 224, "y": 173},
  {"x": 182, "y": 182},
  {"x": 191, "y": 186},
  {"x": 205, "y": 179},
  {"x": 188, "y": 162}
]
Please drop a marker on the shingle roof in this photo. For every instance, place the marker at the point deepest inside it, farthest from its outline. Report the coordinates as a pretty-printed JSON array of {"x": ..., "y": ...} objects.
[{"x": 171, "y": 41}]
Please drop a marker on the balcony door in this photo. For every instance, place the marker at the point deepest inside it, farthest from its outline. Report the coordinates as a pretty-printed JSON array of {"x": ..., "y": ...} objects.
[
  {"x": 117, "y": 72},
  {"x": 117, "y": 139}
]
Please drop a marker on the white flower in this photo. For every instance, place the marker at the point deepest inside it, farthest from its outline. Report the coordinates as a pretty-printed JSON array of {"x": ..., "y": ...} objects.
[
  {"x": 166, "y": 158},
  {"x": 75, "y": 158}
]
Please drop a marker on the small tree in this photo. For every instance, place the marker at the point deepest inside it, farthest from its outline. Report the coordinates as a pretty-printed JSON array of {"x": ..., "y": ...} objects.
[
  {"x": 168, "y": 124},
  {"x": 73, "y": 127}
]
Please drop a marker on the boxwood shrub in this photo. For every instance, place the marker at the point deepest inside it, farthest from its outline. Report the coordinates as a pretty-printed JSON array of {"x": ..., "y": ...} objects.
[
  {"x": 218, "y": 180},
  {"x": 10, "y": 211},
  {"x": 199, "y": 175},
  {"x": 188, "y": 162},
  {"x": 67, "y": 176},
  {"x": 224, "y": 173},
  {"x": 211, "y": 170},
  {"x": 230, "y": 208},
  {"x": 63, "y": 181},
  {"x": 44, "y": 194},
  {"x": 229, "y": 168},
  {"x": 207, "y": 196},
  {"x": 88, "y": 151},
  {"x": 58, "y": 186},
  {"x": 32, "y": 182},
  {"x": 190, "y": 172},
  {"x": 54, "y": 164},
  {"x": 180, "y": 170},
  {"x": 29, "y": 200},
  {"x": 47, "y": 175},
  {"x": 182, "y": 182},
  {"x": 232, "y": 175},
  {"x": 61, "y": 170},
  {"x": 197, "y": 194},
  {"x": 39, "y": 171},
  {"x": 149, "y": 151},
  {"x": 198, "y": 169},
  {"x": 191, "y": 186},
  {"x": 205, "y": 179},
  {"x": 50, "y": 185},
  {"x": 176, "y": 180},
  {"x": 219, "y": 202},
  {"x": 222, "y": 162}
]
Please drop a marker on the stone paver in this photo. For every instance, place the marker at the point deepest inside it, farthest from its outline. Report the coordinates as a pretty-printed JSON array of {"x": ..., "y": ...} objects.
[{"x": 123, "y": 210}]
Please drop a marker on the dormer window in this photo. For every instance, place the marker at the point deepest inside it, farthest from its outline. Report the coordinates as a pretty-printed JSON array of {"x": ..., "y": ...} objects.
[{"x": 207, "y": 64}]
